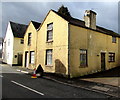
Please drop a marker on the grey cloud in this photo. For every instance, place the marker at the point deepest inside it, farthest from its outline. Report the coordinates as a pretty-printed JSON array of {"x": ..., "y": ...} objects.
[{"x": 23, "y": 12}]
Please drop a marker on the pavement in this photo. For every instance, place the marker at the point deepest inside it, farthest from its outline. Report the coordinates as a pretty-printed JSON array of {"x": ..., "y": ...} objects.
[
  {"x": 108, "y": 80},
  {"x": 114, "y": 81},
  {"x": 104, "y": 82}
]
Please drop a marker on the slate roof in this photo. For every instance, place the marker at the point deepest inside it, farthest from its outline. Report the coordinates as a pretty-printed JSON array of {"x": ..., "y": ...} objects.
[
  {"x": 18, "y": 29},
  {"x": 36, "y": 24},
  {"x": 81, "y": 23}
]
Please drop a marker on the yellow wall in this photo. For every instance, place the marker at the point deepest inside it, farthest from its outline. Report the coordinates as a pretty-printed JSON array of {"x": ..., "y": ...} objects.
[
  {"x": 95, "y": 43},
  {"x": 32, "y": 47},
  {"x": 118, "y": 51},
  {"x": 18, "y": 48},
  {"x": 59, "y": 44}
]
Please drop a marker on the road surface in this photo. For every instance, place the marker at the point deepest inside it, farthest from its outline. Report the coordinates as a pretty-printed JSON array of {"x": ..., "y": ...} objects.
[{"x": 20, "y": 85}]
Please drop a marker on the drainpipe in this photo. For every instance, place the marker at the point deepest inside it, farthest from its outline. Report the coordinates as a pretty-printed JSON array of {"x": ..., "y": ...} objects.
[{"x": 68, "y": 51}]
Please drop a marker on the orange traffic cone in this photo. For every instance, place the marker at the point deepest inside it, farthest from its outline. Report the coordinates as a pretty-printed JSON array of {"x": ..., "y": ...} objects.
[{"x": 34, "y": 74}]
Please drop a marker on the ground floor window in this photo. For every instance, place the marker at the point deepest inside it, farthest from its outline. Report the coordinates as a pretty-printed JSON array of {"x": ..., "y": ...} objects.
[
  {"x": 49, "y": 57},
  {"x": 32, "y": 57},
  {"x": 83, "y": 57},
  {"x": 111, "y": 57}
]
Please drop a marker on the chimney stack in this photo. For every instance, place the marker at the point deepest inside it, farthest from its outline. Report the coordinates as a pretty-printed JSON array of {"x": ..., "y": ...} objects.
[{"x": 90, "y": 19}]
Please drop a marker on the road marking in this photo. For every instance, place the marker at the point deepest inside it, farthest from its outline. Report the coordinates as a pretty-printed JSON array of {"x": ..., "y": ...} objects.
[
  {"x": 25, "y": 72},
  {"x": 18, "y": 70},
  {"x": 1, "y": 76},
  {"x": 27, "y": 88}
]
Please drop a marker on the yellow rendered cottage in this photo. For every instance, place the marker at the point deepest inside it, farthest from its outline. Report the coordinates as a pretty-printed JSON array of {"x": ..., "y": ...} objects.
[
  {"x": 30, "y": 40},
  {"x": 72, "y": 47}
]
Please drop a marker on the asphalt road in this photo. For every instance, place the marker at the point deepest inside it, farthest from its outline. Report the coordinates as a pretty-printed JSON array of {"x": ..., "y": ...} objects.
[{"x": 19, "y": 85}]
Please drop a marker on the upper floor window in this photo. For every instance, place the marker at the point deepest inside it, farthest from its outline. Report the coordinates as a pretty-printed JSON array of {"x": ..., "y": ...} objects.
[
  {"x": 22, "y": 41},
  {"x": 113, "y": 39},
  {"x": 50, "y": 32},
  {"x": 111, "y": 57},
  {"x": 83, "y": 57},
  {"x": 8, "y": 42},
  {"x": 29, "y": 38}
]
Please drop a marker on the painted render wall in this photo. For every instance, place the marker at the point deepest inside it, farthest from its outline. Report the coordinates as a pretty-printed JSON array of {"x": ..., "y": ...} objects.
[
  {"x": 17, "y": 48},
  {"x": 8, "y": 48},
  {"x": 95, "y": 43},
  {"x": 59, "y": 44},
  {"x": 32, "y": 47},
  {"x": 118, "y": 51}
]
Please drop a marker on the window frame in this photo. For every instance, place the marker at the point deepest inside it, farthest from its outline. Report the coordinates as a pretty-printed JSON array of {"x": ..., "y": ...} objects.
[
  {"x": 114, "y": 39},
  {"x": 86, "y": 55},
  {"x": 111, "y": 57},
  {"x": 46, "y": 60},
  {"x": 49, "y": 39},
  {"x": 29, "y": 38},
  {"x": 32, "y": 58}
]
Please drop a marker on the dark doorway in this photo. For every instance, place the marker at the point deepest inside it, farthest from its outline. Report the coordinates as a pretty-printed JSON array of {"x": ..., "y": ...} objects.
[
  {"x": 20, "y": 59},
  {"x": 103, "y": 61}
]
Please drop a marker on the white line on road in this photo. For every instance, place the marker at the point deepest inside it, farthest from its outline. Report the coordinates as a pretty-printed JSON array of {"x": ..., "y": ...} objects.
[
  {"x": 18, "y": 70},
  {"x": 27, "y": 88},
  {"x": 1, "y": 76},
  {"x": 24, "y": 72}
]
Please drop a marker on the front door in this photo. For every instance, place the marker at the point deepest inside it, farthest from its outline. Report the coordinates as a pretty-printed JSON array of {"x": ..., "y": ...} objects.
[
  {"x": 102, "y": 61},
  {"x": 26, "y": 59},
  {"x": 20, "y": 59}
]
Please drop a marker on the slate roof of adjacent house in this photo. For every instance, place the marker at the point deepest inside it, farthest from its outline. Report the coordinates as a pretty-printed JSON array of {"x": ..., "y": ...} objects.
[
  {"x": 18, "y": 29},
  {"x": 81, "y": 23},
  {"x": 36, "y": 24}
]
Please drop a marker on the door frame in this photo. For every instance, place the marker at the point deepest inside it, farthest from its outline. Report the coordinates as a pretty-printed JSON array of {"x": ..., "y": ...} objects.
[
  {"x": 19, "y": 59},
  {"x": 103, "y": 61},
  {"x": 26, "y": 58}
]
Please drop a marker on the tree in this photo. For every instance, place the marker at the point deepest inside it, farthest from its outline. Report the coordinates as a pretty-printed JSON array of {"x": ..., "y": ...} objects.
[{"x": 64, "y": 11}]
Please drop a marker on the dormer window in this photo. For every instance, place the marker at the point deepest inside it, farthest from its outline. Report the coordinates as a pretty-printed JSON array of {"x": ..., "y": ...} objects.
[
  {"x": 113, "y": 39},
  {"x": 50, "y": 32}
]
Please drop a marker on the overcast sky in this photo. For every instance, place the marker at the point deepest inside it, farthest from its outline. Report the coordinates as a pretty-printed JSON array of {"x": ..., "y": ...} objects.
[{"x": 23, "y": 12}]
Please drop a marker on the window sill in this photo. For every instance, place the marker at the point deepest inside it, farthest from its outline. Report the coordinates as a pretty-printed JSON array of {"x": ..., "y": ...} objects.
[
  {"x": 83, "y": 66},
  {"x": 49, "y": 65},
  {"x": 49, "y": 41}
]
